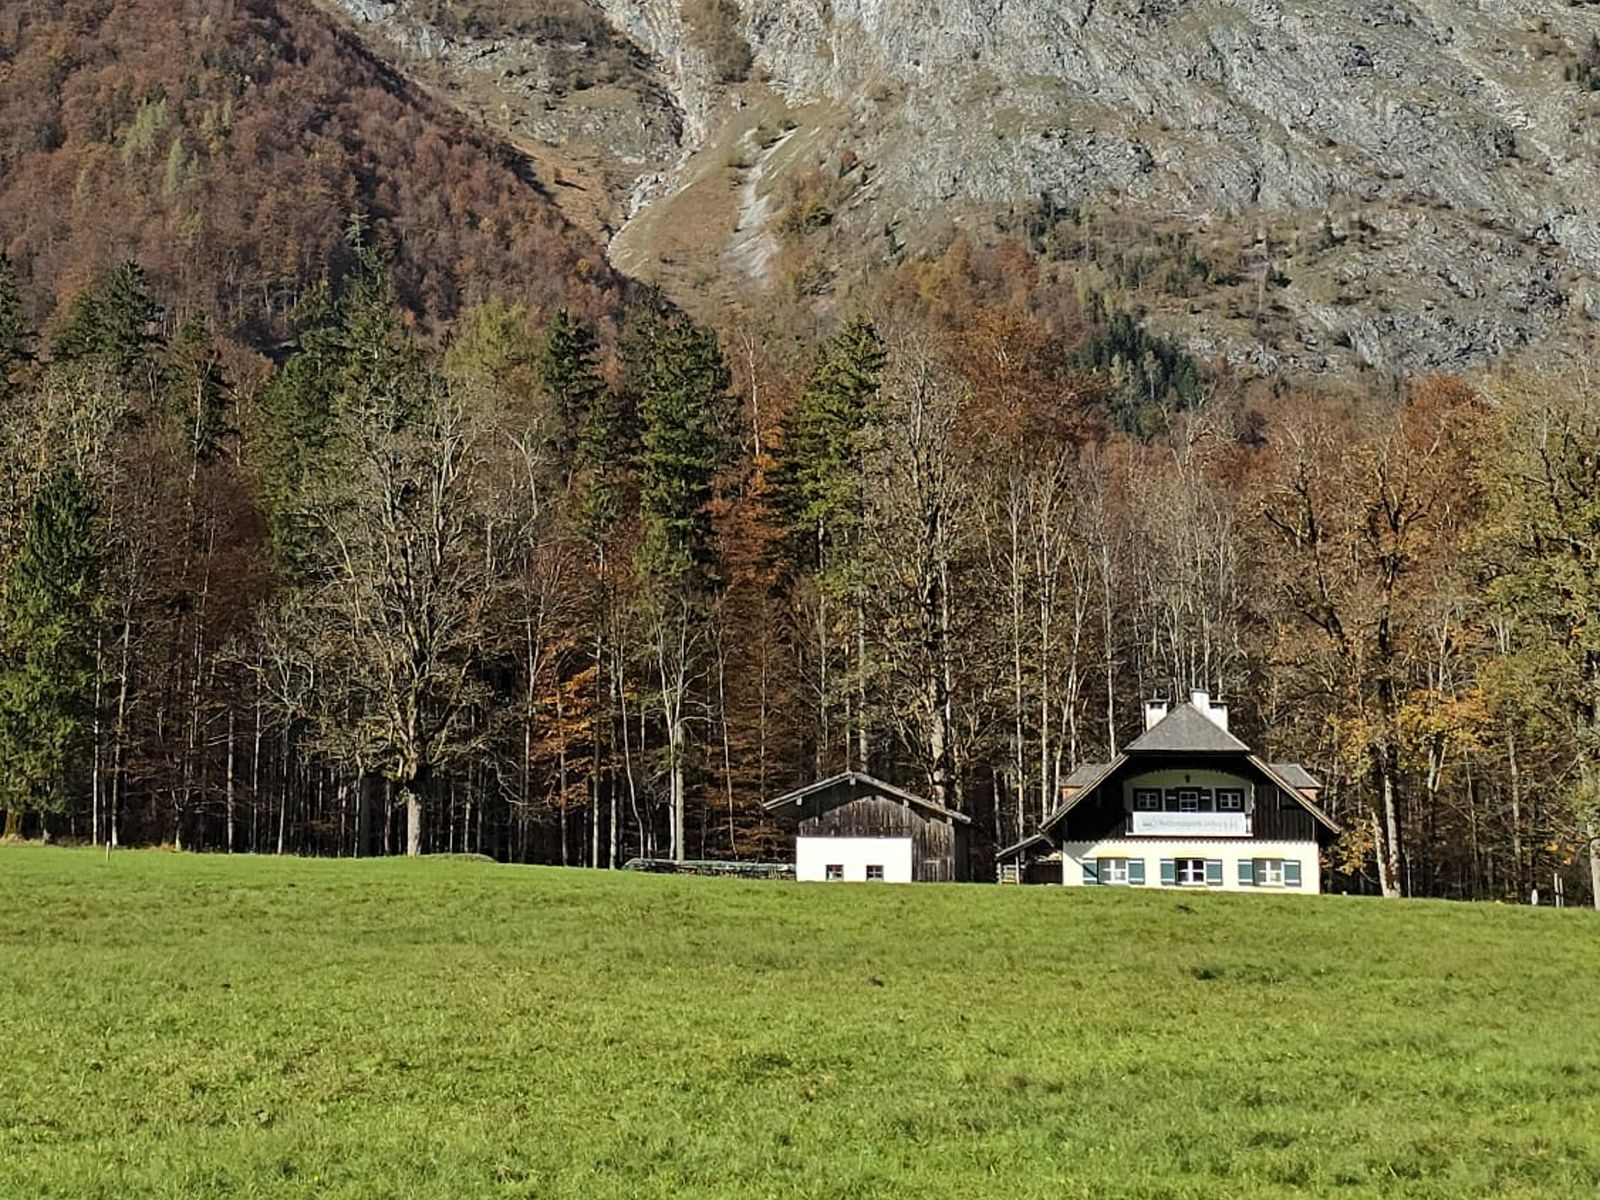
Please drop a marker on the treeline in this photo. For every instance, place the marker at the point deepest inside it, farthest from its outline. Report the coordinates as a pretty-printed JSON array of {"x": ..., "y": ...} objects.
[{"x": 535, "y": 595}]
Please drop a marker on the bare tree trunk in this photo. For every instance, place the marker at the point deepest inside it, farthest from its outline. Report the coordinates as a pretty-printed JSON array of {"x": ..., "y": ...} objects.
[
  {"x": 231, "y": 792},
  {"x": 1387, "y": 833},
  {"x": 1594, "y": 864},
  {"x": 413, "y": 820},
  {"x": 1518, "y": 879}
]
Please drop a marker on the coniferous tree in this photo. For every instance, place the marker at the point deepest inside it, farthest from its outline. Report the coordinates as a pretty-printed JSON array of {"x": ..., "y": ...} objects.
[
  {"x": 16, "y": 339},
  {"x": 47, "y": 617},
  {"x": 568, "y": 370},
  {"x": 685, "y": 412},
  {"x": 116, "y": 321},
  {"x": 199, "y": 390},
  {"x": 823, "y": 482}
]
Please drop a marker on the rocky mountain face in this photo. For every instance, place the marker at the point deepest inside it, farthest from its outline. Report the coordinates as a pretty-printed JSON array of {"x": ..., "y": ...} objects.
[{"x": 1396, "y": 184}]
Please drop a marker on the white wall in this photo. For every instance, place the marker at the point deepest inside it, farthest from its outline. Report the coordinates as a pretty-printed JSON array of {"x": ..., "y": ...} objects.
[
  {"x": 813, "y": 854},
  {"x": 1229, "y": 850}
]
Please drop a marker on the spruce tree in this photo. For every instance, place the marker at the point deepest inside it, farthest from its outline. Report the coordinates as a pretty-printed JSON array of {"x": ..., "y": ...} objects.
[
  {"x": 825, "y": 438},
  {"x": 115, "y": 322},
  {"x": 199, "y": 389},
  {"x": 16, "y": 338},
  {"x": 823, "y": 489},
  {"x": 47, "y": 617},
  {"x": 685, "y": 413},
  {"x": 567, "y": 362}
]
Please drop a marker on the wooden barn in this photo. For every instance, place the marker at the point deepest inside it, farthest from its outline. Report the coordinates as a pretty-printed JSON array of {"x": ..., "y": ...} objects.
[{"x": 853, "y": 827}]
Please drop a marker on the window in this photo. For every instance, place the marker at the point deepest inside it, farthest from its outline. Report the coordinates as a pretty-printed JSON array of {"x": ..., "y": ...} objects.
[
  {"x": 1230, "y": 800},
  {"x": 1191, "y": 871},
  {"x": 833, "y": 871},
  {"x": 1113, "y": 870},
  {"x": 1188, "y": 800},
  {"x": 1147, "y": 800},
  {"x": 874, "y": 873},
  {"x": 1269, "y": 872}
]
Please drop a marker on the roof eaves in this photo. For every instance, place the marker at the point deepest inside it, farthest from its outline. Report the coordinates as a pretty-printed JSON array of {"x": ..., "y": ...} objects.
[{"x": 1267, "y": 769}]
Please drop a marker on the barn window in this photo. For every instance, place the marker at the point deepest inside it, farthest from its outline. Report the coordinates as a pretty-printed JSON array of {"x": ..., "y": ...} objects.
[
  {"x": 874, "y": 873},
  {"x": 833, "y": 871}
]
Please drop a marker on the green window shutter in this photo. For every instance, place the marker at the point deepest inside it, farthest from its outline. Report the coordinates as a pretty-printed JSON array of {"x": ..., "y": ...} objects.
[
  {"x": 1291, "y": 873},
  {"x": 1169, "y": 872},
  {"x": 1135, "y": 872},
  {"x": 1091, "y": 870},
  {"x": 1213, "y": 872},
  {"x": 1247, "y": 872}
]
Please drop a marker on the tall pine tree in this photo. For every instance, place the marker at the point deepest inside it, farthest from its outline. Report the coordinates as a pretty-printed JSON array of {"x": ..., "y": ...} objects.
[
  {"x": 16, "y": 339},
  {"x": 115, "y": 321},
  {"x": 47, "y": 628},
  {"x": 823, "y": 490},
  {"x": 685, "y": 414}
]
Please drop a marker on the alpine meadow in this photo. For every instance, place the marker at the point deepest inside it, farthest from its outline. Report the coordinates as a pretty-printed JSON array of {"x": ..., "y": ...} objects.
[{"x": 213, "y": 1026}]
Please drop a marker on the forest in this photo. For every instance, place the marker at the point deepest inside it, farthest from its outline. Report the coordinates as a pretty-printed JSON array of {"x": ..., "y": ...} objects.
[{"x": 367, "y": 511}]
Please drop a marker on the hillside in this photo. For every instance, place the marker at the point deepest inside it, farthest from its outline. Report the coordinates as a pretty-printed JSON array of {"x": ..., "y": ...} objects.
[
  {"x": 1400, "y": 184},
  {"x": 224, "y": 146},
  {"x": 209, "y": 1026}
]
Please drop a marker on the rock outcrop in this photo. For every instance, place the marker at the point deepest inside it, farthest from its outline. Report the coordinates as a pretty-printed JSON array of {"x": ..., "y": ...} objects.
[{"x": 1417, "y": 182}]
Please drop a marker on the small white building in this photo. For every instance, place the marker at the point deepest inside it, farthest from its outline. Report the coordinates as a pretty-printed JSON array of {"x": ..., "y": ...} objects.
[
  {"x": 855, "y": 828},
  {"x": 1186, "y": 805}
]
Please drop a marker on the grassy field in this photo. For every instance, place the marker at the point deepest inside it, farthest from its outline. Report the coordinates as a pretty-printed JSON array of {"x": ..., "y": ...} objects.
[{"x": 184, "y": 1026}]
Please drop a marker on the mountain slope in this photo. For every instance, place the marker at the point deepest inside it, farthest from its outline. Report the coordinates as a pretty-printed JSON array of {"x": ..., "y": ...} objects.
[
  {"x": 225, "y": 145},
  {"x": 1395, "y": 183}
]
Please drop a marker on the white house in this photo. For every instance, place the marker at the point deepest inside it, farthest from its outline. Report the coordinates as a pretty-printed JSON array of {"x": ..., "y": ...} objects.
[{"x": 1186, "y": 805}]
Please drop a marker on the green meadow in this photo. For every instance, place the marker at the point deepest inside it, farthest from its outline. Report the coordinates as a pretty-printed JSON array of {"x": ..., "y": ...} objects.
[{"x": 187, "y": 1026}]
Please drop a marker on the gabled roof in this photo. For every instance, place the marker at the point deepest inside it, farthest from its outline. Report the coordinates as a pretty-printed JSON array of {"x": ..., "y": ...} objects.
[
  {"x": 860, "y": 779},
  {"x": 1297, "y": 775},
  {"x": 1186, "y": 728},
  {"x": 1102, "y": 770}
]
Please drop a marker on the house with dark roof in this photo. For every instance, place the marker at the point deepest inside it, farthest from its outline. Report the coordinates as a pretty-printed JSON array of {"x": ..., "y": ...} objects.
[
  {"x": 1185, "y": 805},
  {"x": 854, "y": 827}
]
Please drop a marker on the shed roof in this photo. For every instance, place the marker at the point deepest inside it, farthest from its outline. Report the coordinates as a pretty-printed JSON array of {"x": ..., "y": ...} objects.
[
  {"x": 860, "y": 779},
  {"x": 1186, "y": 728}
]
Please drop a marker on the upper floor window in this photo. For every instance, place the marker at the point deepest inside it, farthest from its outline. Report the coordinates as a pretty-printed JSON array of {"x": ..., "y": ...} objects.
[
  {"x": 1230, "y": 800},
  {"x": 1147, "y": 799},
  {"x": 1188, "y": 800}
]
